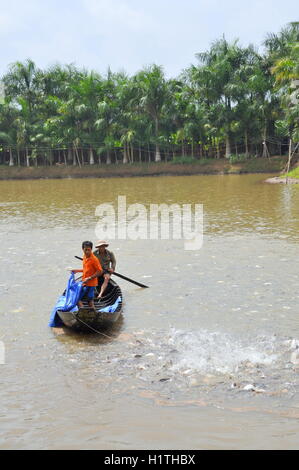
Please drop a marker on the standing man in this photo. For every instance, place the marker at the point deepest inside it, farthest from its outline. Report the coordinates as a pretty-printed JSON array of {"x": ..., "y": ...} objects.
[
  {"x": 107, "y": 261},
  {"x": 92, "y": 269}
]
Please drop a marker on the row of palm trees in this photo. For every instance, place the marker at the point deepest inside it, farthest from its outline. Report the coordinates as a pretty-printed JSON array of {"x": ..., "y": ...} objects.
[{"x": 233, "y": 101}]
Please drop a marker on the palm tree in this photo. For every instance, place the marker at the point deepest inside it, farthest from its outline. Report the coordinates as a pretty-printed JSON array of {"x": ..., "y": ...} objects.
[
  {"x": 278, "y": 45},
  {"x": 153, "y": 96},
  {"x": 87, "y": 93},
  {"x": 218, "y": 68},
  {"x": 251, "y": 88},
  {"x": 286, "y": 74},
  {"x": 7, "y": 129},
  {"x": 9, "y": 139},
  {"x": 21, "y": 81}
]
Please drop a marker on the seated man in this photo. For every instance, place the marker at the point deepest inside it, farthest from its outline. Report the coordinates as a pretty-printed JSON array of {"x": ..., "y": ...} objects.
[
  {"x": 92, "y": 269},
  {"x": 108, "y": 263}
]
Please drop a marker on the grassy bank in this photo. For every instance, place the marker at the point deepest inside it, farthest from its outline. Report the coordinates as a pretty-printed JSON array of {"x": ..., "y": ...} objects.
[
  {"x": 293, "y": 173},
  {"x": 191, "y": 167}
]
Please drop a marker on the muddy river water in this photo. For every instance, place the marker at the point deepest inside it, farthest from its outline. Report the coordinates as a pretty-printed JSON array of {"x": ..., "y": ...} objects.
[{"x": 206, "y": 358}]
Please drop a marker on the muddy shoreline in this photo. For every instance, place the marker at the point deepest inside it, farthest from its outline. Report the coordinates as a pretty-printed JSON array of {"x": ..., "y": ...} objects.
[
  {"x": 213, "y": 167},
  {"x": 282, "y": 180}
]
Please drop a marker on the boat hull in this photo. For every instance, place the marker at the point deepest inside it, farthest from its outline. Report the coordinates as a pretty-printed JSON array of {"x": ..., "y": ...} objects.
[{"x": 92, "y": 320}]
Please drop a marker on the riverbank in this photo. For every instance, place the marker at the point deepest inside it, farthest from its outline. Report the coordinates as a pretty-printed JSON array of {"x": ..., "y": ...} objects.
[
  {"x": 274, "y": 164},
  {"x": 290, "y": 178}
]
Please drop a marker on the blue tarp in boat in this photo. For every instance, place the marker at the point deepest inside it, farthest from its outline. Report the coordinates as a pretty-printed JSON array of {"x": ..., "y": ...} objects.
[
  {"x": 66, "y": 302},
  {"x": 111, "y": 308}
]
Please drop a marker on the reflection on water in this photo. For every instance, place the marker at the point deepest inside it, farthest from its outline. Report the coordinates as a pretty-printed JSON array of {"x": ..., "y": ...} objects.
[
  {"x": 230, "y": 206},
  {"x": 69, "y": 336},
  {"x": 214, "y": 339}
]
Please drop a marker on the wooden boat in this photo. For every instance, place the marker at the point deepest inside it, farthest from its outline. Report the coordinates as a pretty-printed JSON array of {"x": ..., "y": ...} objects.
[{"x": 92, "y": 320}]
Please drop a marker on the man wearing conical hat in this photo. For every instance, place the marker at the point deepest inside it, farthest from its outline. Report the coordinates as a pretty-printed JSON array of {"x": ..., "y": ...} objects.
[{"x": 107, "y": 261}]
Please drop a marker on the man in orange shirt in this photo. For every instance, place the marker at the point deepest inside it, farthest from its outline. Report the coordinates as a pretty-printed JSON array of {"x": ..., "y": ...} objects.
[{"x": 92, "y": 269}]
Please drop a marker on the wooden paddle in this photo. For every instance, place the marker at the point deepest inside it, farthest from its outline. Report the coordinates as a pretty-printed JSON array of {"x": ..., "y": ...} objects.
[{"x": 123, "y": 277}]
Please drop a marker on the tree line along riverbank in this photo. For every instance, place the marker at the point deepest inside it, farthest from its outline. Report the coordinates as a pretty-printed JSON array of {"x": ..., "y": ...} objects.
[
  {"x": 275, "y": 164},
  {"x": 233, "y": 100}
]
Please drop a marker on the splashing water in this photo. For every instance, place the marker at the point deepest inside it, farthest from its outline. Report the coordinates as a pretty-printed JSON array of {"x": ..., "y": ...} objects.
[
  {"x": 210, "y": 352},
  {"x": 190, "y": 363}
]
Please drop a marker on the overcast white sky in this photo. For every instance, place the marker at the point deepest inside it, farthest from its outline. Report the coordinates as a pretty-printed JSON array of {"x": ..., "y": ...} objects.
[{"x": 129, "y": 34}]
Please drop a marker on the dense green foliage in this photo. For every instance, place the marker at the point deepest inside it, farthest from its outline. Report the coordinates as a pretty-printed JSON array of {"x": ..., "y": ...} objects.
[{"x": 235, "y": 102}]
